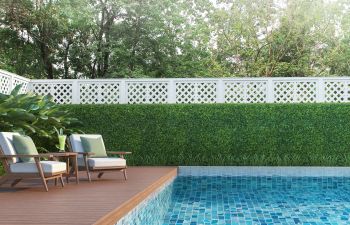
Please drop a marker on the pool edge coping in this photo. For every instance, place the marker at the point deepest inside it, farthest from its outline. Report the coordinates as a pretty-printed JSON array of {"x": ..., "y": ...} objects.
[{"x": 113, "y": 216}]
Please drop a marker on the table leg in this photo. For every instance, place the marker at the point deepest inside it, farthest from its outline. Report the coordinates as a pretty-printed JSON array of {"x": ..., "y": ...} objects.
[
  {"x": 76, "y": 169},
  {"x": 68, "y": 170}
]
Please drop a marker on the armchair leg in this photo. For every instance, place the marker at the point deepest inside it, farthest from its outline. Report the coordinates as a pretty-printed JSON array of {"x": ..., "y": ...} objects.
[
  {"x": 62, "y": 182},
  {"x": 75, "y": 170},
  {"x": 125, "y": 175},
  {"x": 41, "y": 173},
  {"x": 43, "y": 180},
  {"x": 15, "y": 182},
  {"x": 100, "y": 175},
  {"x": 87, "y": 168},
  {"x": 88, "y": 175}
]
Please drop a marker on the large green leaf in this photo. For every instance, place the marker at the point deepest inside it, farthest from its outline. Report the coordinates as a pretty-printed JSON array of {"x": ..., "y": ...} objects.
[{"x": 16, "y": 90}]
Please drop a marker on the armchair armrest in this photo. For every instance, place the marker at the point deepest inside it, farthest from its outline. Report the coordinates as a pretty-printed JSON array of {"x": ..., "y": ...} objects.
[
  {"x": 55, "y": 154},
  {"x": 20, "y": 155},
  {"x": 49, "y": 155},
  {"x": 121, "y": 154},
  {"x": 85, "y": 153}
]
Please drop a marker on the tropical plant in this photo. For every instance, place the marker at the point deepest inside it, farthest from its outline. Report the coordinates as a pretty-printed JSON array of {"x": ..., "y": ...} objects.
[
  {"x": 34, "y": 115},
  {"x": 59, "y": 131},
  {"x": 61, "y": 139}
]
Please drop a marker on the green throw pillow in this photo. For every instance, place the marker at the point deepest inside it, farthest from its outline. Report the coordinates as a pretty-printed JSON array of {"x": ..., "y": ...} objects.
[
  {"x": 24, "y": 145},
  {"x": 94, "y": 145}
]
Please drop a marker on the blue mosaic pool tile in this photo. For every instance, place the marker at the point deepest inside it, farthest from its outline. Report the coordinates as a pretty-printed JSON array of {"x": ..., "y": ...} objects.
[
  {"x": 153, "y": 210},
  {"x": 260, "y": 200},
  {"x": 223, "y": 200}
]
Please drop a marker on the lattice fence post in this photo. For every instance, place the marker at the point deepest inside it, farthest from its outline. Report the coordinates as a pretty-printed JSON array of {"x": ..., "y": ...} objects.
[
  {"x": 30, "y": 87},
  {"x": 346, "y": 91},
  {"x": 75, "y": 92},
  {"x": 11, "y": 84},
  {"x": 220, "y": 91},
  {"x": 171, "y": 92},
  {"x": 320, "y": 97},
  {"x": 270, "y": 91},
  {"x": 123, "y": 92},
  {"x": 99, "y": 94}
]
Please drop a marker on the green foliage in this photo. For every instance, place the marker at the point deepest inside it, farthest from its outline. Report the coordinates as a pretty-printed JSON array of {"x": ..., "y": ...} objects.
[
  {"x": 223, "y": 134},
  {"x": 34, "y": 115}
]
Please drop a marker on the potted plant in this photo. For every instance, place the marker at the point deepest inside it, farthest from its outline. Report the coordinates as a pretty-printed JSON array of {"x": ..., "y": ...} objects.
[{"x": 61, "y": 139}]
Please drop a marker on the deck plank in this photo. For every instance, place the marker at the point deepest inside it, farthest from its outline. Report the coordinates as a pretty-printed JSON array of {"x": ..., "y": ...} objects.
[{"x": 100, "y": 202}]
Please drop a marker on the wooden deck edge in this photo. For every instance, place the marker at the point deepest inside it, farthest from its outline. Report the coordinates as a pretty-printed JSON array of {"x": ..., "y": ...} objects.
[{"x": 115, "y": 215}]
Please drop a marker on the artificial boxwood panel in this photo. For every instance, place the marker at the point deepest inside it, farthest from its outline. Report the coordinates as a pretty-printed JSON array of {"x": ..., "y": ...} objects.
[{"x": 223, "y": 134}]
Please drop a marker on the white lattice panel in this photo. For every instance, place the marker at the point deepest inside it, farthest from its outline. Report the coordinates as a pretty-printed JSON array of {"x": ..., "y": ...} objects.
[
  {"x": 99, "y": 93},
  {"x": 61, "y": 92},
  {"x": 5, "y": 84},
  {"x": 245, "y": 91},
  {"x": 305, "y": 91},
  {"x": 8, "y": 81},
  {"x": 336, "y": 91},
  {"x": 295, "y": 92},
  {"x": 196, "y": 92},
  {"x": 284, "y": 92},
  {"x": 109, "y": 93},
  {"x": 147, "y": 92},
  {"x": 89, "y": 93},
  {"x": 41, "y": 88},
  {"x": 24, "y": 85}
]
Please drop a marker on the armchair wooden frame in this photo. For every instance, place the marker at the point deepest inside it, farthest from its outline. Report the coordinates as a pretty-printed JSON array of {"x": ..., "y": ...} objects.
[
  {"x": 17, "y": 177},
  {"x": 100, "y": 170}
]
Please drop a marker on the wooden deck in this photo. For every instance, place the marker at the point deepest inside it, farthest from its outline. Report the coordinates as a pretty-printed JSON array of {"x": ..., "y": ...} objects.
[{"x": 103, "y": 201}]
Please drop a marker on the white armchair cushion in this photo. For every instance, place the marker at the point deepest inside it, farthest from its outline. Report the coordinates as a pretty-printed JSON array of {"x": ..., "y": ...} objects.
[
  {"x": 30, "y": 167},
  {"x": 103, "y": 162},
  {"x": 7, "y": 147}
]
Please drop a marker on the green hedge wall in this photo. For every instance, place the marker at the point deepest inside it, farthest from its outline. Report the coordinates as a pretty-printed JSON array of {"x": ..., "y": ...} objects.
[{"x": 223, "y": 134}]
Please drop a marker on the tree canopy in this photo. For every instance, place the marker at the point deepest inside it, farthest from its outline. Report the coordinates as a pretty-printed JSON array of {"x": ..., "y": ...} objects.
[{"x": 175, "y": 38}]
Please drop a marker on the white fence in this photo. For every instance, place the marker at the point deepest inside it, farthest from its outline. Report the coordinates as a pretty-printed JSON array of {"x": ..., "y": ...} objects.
[
  {"x": 233, "y": 90},
  {"x": 9, "y": 80},
  {"x": 181, "y": 90}
]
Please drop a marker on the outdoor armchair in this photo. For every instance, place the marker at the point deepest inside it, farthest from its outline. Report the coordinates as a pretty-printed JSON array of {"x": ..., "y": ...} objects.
[
  {"x": 16, "y": 170},
  {"x": 91, "y": 163}
]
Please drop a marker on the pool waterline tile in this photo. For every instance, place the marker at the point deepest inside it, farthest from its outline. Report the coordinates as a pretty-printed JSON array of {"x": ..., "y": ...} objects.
[{"x": 292, "y": 171}]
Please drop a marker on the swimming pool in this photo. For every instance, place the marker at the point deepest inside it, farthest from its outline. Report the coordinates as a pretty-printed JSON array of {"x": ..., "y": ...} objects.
[{"x": 249, "y": 196}]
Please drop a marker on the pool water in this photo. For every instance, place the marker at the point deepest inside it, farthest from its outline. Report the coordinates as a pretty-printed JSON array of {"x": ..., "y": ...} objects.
[
  {"x": 259, "y": 200},
  {"x": 195, "y": 200}
]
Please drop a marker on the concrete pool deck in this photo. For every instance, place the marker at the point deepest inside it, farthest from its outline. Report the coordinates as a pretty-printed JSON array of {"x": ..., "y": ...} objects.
[{"x": 104, "y": 201}]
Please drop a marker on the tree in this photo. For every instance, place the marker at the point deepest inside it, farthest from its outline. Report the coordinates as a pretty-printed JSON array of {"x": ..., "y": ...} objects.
[{"x": 174, "y": 38}]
